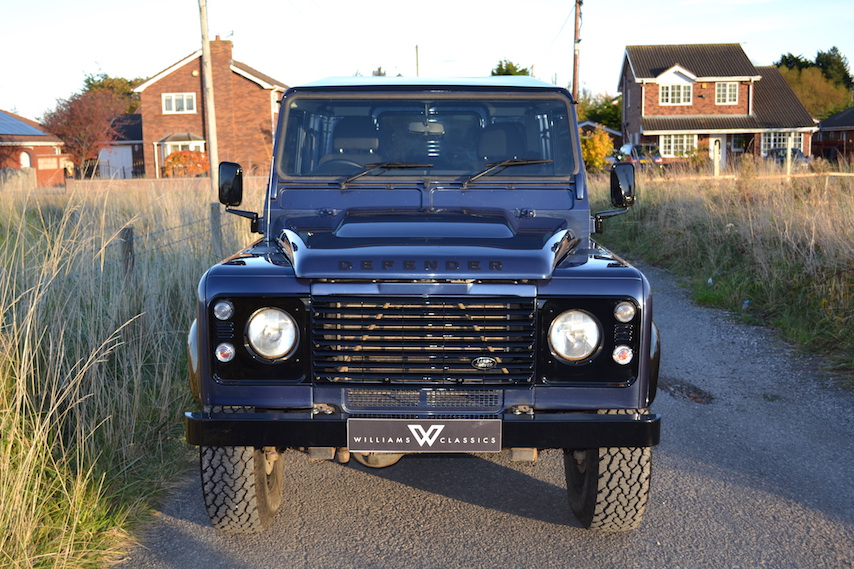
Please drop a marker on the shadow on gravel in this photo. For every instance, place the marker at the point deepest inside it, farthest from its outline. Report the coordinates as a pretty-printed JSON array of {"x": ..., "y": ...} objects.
[{"x": 482, "y": 482}]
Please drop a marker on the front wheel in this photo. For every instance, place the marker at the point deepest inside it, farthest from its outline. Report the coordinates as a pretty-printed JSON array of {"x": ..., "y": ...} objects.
[
  {"x": 242, "y": 486},
  {"x": 608, "y": 488}
]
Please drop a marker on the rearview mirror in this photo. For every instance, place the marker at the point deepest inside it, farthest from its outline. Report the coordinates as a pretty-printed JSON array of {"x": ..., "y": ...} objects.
[
  {"x": 623, "y": 184},
  {"x": 230, "y": 183},
  {"x": 426, "y": 128}
]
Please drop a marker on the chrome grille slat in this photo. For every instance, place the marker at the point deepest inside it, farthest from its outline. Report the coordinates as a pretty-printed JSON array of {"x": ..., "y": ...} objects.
[{"x": 422, "y": 340}]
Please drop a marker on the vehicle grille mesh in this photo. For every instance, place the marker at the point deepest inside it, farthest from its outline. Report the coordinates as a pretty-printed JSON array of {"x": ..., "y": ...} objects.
[
  {"x": 423, "y": 340},
  {"x": 373, "y": 398}
]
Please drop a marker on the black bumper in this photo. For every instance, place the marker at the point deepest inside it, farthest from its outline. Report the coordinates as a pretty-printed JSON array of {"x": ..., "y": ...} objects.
[{"x": 545, "y": 430}]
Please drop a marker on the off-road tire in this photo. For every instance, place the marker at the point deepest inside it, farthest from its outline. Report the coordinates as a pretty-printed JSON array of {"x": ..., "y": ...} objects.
[
  {"x": 608, "y": 488},
  {"x": 241, "y": 488}
]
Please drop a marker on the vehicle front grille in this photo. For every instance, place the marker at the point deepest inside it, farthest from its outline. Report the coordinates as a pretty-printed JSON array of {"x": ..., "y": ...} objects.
[
  {"x": 423, "y": 399},
  {"x": 423, "y": 340}
]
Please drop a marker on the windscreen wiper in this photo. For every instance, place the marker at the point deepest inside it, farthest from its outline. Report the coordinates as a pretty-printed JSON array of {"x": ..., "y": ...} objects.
[
  {"x": 501, "y": 165},
  {"x": 369, "y": 168}
]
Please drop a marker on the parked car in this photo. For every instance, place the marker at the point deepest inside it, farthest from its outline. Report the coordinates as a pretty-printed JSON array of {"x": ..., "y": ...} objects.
[
  {"x": 778, "y": 155},
  {"x": 613, "y": 157},
  {"x": 641, "y": 155}
]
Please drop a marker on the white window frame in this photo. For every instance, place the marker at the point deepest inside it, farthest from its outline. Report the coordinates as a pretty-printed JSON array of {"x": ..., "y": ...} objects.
[
  {"x": 675, "y": 94},
  {"x": 170, "y": 102},
  {"x": 781, "y": 140},
  {"x": 673, "y": 145},
  {"x": 726, "y": 93},
  {"x": 170, "y": 147}
]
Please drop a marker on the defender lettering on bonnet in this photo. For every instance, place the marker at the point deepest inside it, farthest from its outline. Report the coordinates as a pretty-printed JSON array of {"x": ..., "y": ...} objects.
[
  {"x": 425, "y": 265},
  {"x": 425, "y": 282}
]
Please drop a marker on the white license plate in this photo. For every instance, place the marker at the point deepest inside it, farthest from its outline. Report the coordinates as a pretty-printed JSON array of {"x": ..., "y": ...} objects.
[{"x": 424, "y": 435}]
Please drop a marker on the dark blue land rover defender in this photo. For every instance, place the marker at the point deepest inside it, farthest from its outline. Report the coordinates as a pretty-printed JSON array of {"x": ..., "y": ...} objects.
[{"x": 425, "y": 281}]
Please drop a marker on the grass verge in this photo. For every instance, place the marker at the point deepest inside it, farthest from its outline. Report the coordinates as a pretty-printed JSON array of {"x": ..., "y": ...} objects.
[
  {"x": 92, "y": 365},
  {"x": 779, "y": 251}
]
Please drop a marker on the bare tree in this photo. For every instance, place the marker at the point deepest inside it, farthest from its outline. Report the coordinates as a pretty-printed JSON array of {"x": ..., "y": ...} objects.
[{"x": 86, "y": 123}]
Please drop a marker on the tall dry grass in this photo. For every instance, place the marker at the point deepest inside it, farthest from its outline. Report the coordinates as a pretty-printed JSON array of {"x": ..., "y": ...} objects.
[
  {"x": 779, "y": 250},
  {"x": 92, "y": 364}
]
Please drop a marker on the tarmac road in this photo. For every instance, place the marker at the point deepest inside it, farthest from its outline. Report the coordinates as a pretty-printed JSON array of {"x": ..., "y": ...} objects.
[{"x": 754, "y": 470}]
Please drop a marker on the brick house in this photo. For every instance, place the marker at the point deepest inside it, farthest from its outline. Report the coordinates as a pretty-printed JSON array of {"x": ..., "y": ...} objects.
[
  {"x": 691, "y": 99},
  {"x": 173, "y": 111},
  {"x": 835, "y": 137},
  {"x": 24, "y": 144}
]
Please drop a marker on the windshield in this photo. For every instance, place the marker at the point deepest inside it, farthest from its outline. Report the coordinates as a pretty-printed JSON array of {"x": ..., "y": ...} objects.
[{"x": 464, "y": 135}]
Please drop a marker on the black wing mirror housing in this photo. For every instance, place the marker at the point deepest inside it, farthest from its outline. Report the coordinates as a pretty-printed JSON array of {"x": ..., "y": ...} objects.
[
  {"x": 622, "y": 193},
  {"x": 231, "y": 192},
  {"x": 623, "y": 184},
  {"x": 230, "y": 184}
]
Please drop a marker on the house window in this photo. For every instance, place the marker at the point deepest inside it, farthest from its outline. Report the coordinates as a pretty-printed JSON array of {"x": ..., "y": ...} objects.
[
  {"x": 726, "y": 93},
  {"x": 781, "y": 140},
  {"x": 677, "y": 144},
  {"x": 178, "y": 103},
  {"x": 171, "y": 147},
  {"x": 675, "y": 94}
]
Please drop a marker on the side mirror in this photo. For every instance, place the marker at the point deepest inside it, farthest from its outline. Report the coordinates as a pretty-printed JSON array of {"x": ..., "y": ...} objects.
[
  {"x": 231, "y": 183},
  {"x": 622, "y": 184}
]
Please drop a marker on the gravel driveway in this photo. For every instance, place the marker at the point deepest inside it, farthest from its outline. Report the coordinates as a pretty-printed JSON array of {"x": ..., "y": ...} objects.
[{"x": 754, "y": 470}]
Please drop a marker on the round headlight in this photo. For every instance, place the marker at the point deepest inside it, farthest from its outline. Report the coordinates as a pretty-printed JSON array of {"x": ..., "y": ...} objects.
[
  {"x": 574, "y": 335},
  {"x": 272, "y": 333},
  {"x": 625, "y": 312}
]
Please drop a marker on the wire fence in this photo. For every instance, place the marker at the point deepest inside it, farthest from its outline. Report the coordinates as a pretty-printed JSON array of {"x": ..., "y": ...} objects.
[{"x": 130, "y": 245}]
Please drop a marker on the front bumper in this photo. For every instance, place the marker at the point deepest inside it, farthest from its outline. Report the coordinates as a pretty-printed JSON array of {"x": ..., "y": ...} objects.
[{"x": 545, "y": 430}]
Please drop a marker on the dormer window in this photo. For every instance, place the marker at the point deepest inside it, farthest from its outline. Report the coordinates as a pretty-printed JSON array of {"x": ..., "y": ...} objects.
[
  {"x": 675, "y": 94},
  {"x": 726, "y": 93}
]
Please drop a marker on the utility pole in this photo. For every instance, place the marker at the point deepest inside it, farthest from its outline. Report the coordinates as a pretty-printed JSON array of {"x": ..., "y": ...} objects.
[
  {"x": 578, "y": 4},
  {"x": 210, "y": 114}
]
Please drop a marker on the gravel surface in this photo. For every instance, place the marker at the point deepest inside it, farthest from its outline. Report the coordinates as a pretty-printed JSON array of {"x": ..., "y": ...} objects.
[{"x": 754, "y": 470}]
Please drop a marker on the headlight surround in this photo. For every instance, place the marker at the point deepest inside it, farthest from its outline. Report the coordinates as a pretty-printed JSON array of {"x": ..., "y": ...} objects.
[
  {"x": 575, "y": 335},
  {"x": 272, "y": 333}
]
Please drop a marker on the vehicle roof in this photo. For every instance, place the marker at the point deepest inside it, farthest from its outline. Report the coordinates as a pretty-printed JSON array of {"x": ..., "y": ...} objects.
[{"x": 493, "y": 82}]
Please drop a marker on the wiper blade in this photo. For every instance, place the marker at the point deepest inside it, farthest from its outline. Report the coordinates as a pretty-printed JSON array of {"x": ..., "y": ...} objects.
[
  {"x": 381, "y": 166},
  {"x": 501, "y": 165}
]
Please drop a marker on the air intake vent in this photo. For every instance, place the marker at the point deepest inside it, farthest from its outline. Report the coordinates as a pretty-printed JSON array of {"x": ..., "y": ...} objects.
[{"x": 423, "y": 340}]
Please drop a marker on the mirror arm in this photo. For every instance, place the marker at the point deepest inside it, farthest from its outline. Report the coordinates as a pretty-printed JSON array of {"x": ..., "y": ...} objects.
[
  {"x": 251, "y": 215},
  {"x": 600, "y": 217}
]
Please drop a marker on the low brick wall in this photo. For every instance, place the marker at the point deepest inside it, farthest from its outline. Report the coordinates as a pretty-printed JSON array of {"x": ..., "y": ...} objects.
[{"x": 15, "y": 180}]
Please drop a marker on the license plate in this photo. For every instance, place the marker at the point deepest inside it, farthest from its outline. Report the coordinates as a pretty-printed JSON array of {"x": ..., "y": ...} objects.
[{"x": 424, "y": 435}]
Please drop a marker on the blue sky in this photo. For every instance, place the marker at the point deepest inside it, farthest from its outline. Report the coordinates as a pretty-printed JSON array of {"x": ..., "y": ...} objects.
[{"x": 50, "y": 46}]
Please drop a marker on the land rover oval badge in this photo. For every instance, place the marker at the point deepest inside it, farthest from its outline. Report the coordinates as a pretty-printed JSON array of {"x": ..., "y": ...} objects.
[{"x": 483, "y": 362}]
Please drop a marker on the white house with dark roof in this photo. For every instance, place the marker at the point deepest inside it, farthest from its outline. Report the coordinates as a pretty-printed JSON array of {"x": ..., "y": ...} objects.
[{"x": 700, "y": 98}]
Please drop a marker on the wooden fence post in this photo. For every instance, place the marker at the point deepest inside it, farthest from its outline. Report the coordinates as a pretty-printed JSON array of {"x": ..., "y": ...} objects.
[
  {"x": 216, "y": 231},
  {"x": 126, "y": 236}
]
